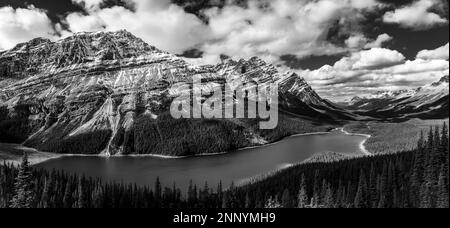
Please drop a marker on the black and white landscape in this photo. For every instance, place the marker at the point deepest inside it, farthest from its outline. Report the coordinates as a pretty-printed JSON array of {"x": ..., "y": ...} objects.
[{"x": 86, "y": 88}]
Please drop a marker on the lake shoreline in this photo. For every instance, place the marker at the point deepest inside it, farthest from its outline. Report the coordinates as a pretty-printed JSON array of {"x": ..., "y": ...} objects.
[
  {"x": 39, "y": 157},
  {"x": 363, "y": 143}
]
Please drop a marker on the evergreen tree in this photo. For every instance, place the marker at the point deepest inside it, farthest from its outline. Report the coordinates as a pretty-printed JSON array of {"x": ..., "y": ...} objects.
[
  {"x": 273, "y": 203},
  {"x": 286, "y": 199},
  {"x": 442, "y": 196},
  {"x": 81, "y": 200},
  {"x": 328, "y": 198},
  {"x": 372, "y": 187},
  {"x": 418, "y": 171},
  {"x": 362, "y": 199},
  {"x": 67, "y": 199},
  {"x": 302, "y": 194},
  {"x": 45, "y": 198},
  {"x": 317, "y": 189},
  {"x": 225, "y": 201},
  {"x": 97, "y": 196},
  {"x": 426, "y": 196},
  {"x": 158, "y": 191},
  {"x": 444, "y": 150},
  {"x": 248, "y": 201},
  {"x": 23, "y": 188}
]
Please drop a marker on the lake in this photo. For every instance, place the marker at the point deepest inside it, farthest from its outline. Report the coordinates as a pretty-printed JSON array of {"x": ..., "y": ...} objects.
[{"x": 232, "y": 167}]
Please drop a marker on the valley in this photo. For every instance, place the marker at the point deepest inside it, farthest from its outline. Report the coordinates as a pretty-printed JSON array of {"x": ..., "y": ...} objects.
[
  {"x": 98, "y": 104},
  {"x": 389, "y": 137}
]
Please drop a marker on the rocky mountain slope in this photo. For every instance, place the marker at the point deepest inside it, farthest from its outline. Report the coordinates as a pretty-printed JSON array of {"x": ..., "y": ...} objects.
[
  {"x": 110, "y": 93},
  {"x": 429, "y": 101}
]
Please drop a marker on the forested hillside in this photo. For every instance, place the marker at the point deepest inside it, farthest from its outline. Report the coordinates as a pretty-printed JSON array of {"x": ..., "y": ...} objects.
[
  {"x": 389, "y": 137},
  {"x": 409, "y": 179}
]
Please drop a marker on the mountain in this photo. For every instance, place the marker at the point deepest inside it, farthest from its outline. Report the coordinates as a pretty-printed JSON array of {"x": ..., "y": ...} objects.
[
  {"x": 429, "y": 101},
  {"x": 110, "y": 93}
]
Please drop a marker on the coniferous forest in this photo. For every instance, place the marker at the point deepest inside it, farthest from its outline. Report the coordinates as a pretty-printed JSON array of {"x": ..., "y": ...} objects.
[{"x": 409, "y": 179}]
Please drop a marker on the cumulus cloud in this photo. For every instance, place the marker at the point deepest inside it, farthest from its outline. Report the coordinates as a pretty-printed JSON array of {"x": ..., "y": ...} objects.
[
  {"x": 89, "y": 4},
  {"x": 360, "y": 41},
  {"x": 439, "y": 53},
  {"x": 366, "y": 72},
  {"x": 267, "y": 28},
  {"x": 270, "y": 29},
  {"x": 371, "y": 59},
  {"x": 23, "y": 24},
  {"x": 381, "y": 39},
  {"x": 416, "y": 16},
  {"x": 158, "y": 22},
  {"x": 356, "y": 41}
]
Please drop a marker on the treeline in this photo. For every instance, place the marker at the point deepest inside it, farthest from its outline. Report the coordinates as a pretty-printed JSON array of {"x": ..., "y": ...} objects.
[
  {"x": 185, "y": 136},
  {"x": 404, "y": 180},
  {"x": 17, "y": 127},
  {"x": 416, "y": 179},
  {"x": 27, "y": 188},
  {"x": 392, "y": 137}
]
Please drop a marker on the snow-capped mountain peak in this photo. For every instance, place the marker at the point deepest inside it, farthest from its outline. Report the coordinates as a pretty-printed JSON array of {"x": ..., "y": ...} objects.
[
  {"x": 430, "y": 100},
  {"x": 103, "y": 82}
]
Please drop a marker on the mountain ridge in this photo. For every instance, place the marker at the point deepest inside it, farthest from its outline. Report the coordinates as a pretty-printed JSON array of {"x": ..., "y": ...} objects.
[
  {"x": 111, "y": 91},
  {"x": 429, "y": 101}
]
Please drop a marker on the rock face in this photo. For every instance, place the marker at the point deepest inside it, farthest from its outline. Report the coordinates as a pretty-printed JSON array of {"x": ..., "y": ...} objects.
[
  {"x": 110, "y": 93},
  {"x": 429, "y": 101}
]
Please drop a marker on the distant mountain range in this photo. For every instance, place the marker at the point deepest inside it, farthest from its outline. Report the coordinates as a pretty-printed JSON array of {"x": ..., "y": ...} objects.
[
  {"x": 429, "y": 101},
  {"x": 110, "y": 93}
]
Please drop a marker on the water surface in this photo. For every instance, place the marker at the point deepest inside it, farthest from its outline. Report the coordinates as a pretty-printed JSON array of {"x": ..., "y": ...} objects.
[{"x": 232, "y": 167}]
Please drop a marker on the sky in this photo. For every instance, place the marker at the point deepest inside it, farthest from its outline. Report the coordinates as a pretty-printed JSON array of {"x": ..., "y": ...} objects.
[{"x": 343, "y": 48}]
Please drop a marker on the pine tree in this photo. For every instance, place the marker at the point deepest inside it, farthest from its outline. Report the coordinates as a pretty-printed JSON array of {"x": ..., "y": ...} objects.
[
  {"x": 417, "y": 171},
  {"x": 425, "y": 196},
  {"x": 219, "y": 194},
  {"x": 444, "y": 149},
  {"x": 302, "y": 194},
  {"x": 158, "y": 191},
  {"x": 67, "y": 199},
  {"x": 430, "y": 142},
  {"x": 273, "y": 203},
  {"x": 190, "y": 194},
  {"x": 317, "y": 188},
  {"x": 225, "y": 201},
  {"x": 442, "y": 196},
  {"x": 286, "y": 199},
  {"x": 23, "y": 186},
  {"x": 372, "y": 187},
  {"x": 45, "y": 198},
  {"x": 248, "y": 201},
  {"x": 361, "y": 199},
  {"x": 81, "y": 201},
  {"x": 383, "y": 189},
  {"x": 328, "y": 198}
]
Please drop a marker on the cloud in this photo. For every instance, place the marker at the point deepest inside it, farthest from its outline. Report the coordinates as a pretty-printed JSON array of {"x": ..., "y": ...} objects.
[
  {"x": 381, "y": 39},
  {"x": 359, "y": 41},
  {"x": 439, "y": 53},
  {"x": 268, "y": 29},
  {"x": 158, "y": 22},
  {"x": 271, "y": 29},
  {"x": 371, "y": 59},
  {"x": 23, "y": 24},
  {"x": 417, "y": 16},
  {"x": 356, "y": 41},
  {"x": 265, "y": 28},
  {"x": 366, "y": 72},
  {"x": 89, "y": 4}
]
